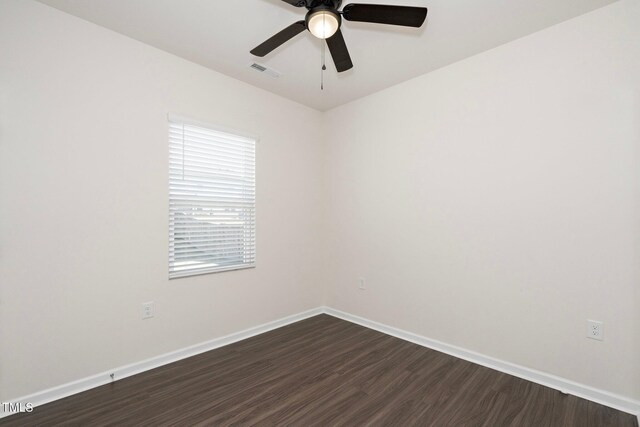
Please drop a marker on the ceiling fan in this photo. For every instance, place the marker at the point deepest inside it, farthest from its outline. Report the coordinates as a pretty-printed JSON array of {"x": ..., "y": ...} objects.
[{"x": 323, "y": 20}]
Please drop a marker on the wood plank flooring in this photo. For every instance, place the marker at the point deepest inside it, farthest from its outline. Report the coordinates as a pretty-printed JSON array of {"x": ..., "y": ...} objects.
[{"x": 323, "y": 371}]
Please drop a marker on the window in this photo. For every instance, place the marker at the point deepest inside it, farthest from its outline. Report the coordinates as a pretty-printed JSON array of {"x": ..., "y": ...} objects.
[{"x": 212, "y": 225}]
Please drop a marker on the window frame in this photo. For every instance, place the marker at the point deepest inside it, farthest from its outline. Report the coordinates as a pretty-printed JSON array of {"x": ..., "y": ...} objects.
[{"x": 174, "y": 118}]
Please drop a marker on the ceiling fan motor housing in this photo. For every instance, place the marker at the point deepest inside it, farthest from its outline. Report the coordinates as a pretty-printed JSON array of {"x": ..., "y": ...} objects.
[{"x": 332, "y": 4}]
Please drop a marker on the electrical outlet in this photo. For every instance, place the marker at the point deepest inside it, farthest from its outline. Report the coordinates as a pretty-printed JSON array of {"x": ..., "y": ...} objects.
[
  {"x": 362, "y": 284},
  {"x": 147, "y": 310},
  {"x": 595, "y": 330}
]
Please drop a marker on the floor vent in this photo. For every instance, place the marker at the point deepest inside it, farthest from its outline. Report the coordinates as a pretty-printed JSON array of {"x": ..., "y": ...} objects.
[{"x": 263, "y": 69}]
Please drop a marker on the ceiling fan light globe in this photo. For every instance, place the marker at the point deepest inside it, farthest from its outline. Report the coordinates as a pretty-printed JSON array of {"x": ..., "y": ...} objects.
[{"x": 323, "y": 24}]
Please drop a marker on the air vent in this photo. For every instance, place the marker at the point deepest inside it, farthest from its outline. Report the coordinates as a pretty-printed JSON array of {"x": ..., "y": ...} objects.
[
  {"x": 258, "y": 67},
  {"x": 266, "y": 70}
]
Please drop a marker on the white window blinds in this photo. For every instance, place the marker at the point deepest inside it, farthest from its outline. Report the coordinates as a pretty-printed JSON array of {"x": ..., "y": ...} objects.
[{"x": 212, "y": 224}]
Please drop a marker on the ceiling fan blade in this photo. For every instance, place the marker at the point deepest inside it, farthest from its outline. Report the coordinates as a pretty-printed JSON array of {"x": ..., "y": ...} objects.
[
  {"x": 406, "y": 16},
  {"x": 277, "y": 40},
  {"x": 339, "y": 52}
]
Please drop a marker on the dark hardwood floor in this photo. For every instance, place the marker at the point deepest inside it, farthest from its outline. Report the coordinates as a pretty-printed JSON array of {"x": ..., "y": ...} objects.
[{"x": 323, "y": 371}]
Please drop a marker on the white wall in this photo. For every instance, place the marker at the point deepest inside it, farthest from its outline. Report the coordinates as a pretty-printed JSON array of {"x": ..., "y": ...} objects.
[
  {"x": 494, "y": 204},
  {"x": 84, "y": 210}
]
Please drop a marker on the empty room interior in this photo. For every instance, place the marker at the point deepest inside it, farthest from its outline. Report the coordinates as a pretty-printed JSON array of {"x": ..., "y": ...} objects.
[{"x": 320, "y": 212}]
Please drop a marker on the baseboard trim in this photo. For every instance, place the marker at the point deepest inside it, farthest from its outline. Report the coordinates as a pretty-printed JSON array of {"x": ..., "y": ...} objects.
[
  {"x": 603, "y": 397},
  {"x": 566, "y": 386},
  {"x": 78, "y": 386}
]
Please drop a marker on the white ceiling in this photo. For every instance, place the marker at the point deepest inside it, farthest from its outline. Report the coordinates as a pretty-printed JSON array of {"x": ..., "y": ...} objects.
[{"x": 220, "y": 33}]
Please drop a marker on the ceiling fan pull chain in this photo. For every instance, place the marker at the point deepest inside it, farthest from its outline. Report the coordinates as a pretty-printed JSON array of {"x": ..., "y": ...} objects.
[{"x": 324, "y": 66}]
